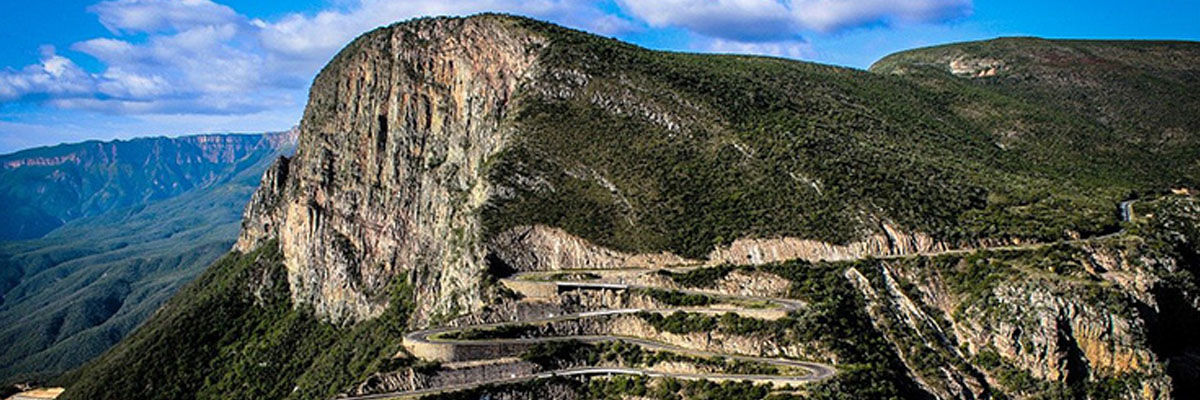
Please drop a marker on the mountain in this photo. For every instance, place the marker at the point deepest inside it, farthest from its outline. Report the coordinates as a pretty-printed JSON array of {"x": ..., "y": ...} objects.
[
  {"x": 50, "y": 186},
  {"x": 1127, "y": 106},
  {"x": 73, "y": 293},
  {"x": 942, "y": 226}
]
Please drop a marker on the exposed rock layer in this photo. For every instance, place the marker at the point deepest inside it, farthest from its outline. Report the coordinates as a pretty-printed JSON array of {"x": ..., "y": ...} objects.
[{"x": 389, "y": 173}]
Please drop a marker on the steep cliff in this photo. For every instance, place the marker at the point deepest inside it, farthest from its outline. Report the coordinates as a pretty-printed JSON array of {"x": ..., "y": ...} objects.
[
  {"x": 427, "y": 143},
  {"x": 437, "y": 156},
  {"x": 389, "y": 173},
  {"x": 1094, "y": 319}
]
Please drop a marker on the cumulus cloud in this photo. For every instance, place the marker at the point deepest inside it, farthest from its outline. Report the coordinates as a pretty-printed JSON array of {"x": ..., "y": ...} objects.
[
  {"x": 200, "y": 57},
  {"x": 775, "y": 20},
  {"x": 158, "y": 15},
  {"x": 166, "y": 57},
  {"x": 779, "y": 27},
  {"x": 836, "y": 15},
  {"x": 55, "y": 75},
  {"x": 314, "y": 38}
]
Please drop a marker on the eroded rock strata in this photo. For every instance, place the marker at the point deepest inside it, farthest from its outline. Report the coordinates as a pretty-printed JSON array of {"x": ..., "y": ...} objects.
[{"x": 388, "y": 175}]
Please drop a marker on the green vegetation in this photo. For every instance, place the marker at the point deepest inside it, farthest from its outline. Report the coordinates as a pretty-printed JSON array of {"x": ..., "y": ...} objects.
[
  {"x": 647, "y": 151},
  {"x": 74, "y": 293},
  {"x": 534, "y": 389},
  {"x": 686, "y": 152},
  {"x": 704, "y": 277},
  {"x": 835, "y": 318},
  {"x": 568, "y": 276},
  {"x": 233, "y": 333},
  {"x": 1121, "y": 103},
  {"x": 563, "y": 354},
  {"x": 680, "y": 322},
  {"x": 679, "y": 299},
  {"x": 496, "y": 332},
  {"x": 621, "y": 387},
  {"x": 1169, "y": 246},
  {"x": 1017, "y": 381},
  {"x": 71, "y": 181}
]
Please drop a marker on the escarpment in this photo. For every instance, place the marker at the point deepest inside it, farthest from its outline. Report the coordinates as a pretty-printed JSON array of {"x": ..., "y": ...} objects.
[
  {"x": 389, "y": 173},
  {"x": 417, "y": 135}
]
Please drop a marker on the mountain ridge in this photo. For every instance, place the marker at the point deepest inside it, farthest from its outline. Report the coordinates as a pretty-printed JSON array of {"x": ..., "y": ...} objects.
[
  {"x": 429, "y": 145},
  {"x": 52, "y": 185}
]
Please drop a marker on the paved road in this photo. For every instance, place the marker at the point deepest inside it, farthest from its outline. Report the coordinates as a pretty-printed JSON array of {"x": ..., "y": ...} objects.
[{"x": 817, "y": 371}]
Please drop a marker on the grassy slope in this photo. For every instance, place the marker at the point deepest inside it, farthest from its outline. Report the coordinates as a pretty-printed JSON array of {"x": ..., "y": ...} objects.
[
  {"x": 233, "y": 333},
  {"x": 1130, "y": 106},
  {"x": 82, "y": 288},
  {"x": 755, "y": 146}
]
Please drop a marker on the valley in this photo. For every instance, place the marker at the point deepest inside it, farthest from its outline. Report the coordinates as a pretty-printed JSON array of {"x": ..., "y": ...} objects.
[{"x": 69, "y": 295}]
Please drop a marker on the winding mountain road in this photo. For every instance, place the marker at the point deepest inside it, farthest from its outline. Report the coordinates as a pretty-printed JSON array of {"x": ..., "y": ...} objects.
[
  {"x": 816, "y": 371},
  {"x": 435, "y": 336}
]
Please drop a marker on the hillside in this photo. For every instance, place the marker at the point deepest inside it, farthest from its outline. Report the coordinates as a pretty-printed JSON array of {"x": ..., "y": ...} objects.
[
  {"x": 445, "y": 165},
  {"x": 81, "y": 288},
  {"x": 1127, "y": 106}
]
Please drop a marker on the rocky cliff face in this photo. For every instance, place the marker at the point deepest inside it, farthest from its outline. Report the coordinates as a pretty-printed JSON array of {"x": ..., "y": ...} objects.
[
  {"x": 1077, "y": 319},
  {"x": 540, "y": 248},
  {"x": 389, "y": 174}
]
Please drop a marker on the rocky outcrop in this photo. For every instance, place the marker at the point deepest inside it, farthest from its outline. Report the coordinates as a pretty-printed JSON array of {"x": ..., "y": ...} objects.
[
  {"x": 411, "y": 379},
  {"x": 389, "y": 174},
  {"x": 542, "y": 248},
  {"x": 918, "y": 337},
  {"x": 41, "y": 161},
  {"x": 258, "y": 223},
  {"x": 891, "y": 242},
  {"x": 976, "y": 67},
  {"x": 1062, "y": 330}
]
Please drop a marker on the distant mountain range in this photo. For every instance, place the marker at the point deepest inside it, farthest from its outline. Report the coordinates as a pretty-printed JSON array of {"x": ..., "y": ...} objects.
[
  {"x": 109, "y": 231},
  {"x": 47, "y": 187}
]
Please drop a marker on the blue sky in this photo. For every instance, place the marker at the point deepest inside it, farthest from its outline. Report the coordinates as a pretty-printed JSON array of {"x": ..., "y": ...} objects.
[{"x": 73, "y": 70}]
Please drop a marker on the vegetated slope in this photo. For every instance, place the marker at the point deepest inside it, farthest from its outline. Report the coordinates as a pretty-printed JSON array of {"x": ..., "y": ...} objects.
[
  {"x": 84, "y": 286},
  {"x": 1131, "y": 108},
  {"x": 234, "y": 333},
  {"x": 426, "y": 142},
  {"x": 45, "y": 187},
  {"x": 655, "y": 151}
]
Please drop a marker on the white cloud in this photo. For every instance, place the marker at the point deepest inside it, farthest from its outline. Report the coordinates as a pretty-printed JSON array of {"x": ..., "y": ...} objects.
[
  {"x": 742, "y": 20},
  {"x": 189, "y": 56},
  {"x": 786, "y": 48},
  {"x": 315, "y": 38},
  {"x": 783, "y": 20},
  {"x": 835, "y": 15},
  {"x": 198, "y": 57},
  {"x": 55, "y": 75},
  {"x": 160, "y": 15}
]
